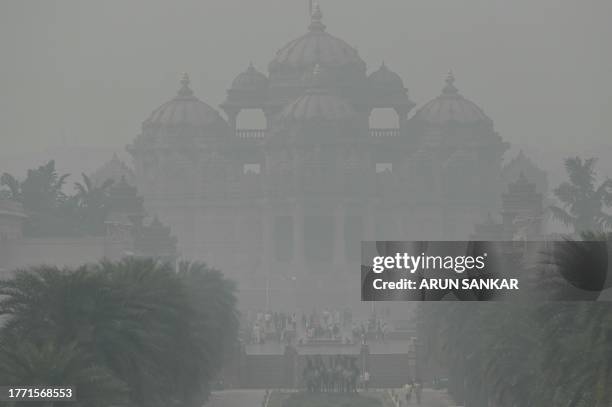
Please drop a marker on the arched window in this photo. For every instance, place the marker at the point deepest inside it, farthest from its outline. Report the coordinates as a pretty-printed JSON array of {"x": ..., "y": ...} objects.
[
  {"x": 384, "y": 118},
  {"x": 251, "y": 119}
]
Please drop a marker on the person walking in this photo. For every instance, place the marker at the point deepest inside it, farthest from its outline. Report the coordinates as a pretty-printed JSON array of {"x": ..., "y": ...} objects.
[
  {"x": 366, "y": 380},
  {"x": 408, "y": 388},
  {"x": 418, "y": 391}
]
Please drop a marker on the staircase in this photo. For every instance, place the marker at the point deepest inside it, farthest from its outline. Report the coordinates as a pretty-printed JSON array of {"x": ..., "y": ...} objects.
[
  {"x": 265, "y": 371},
  {"x": 390, "y": 371}
]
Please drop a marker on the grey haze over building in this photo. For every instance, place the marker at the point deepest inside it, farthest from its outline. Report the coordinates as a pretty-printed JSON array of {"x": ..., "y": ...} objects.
[{"x": 78, "y": 76}]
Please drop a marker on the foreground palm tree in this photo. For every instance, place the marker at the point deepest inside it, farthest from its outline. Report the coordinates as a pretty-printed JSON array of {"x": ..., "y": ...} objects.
[
  {"x": 523, "y": 355},
  {"x": 136, "y": 320},
  {"x": 583, "y": 203},
  {"x": 27, "y": 361}
]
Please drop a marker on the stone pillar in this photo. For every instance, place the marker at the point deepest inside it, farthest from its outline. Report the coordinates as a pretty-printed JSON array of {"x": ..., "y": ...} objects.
[
  {"x": 232, "y": 116},
  {"x": 339, "y": 242},
  {"x": 369, "y": 224},
  {"x": 364, "y": 358},
  {"x": 298, "y": 236},
  {"x": 290, "y": 367},
  {"x": 268, "y": 254}
]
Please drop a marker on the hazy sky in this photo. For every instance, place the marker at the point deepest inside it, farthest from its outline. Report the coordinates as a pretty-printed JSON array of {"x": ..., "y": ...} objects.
[{"x": 88, "y": 73}]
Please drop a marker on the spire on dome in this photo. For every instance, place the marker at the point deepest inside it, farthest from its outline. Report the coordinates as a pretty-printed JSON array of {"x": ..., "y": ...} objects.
[
  {"x": 450, "y": 81},
  {"x": 185, "y": 90},
  {"x": 315, "y": 19}
]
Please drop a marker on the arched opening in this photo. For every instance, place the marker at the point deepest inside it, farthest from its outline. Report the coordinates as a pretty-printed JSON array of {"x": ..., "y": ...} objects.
[
  {"x": 384, "y": 118},
  {"x": 251, "y": 119}
]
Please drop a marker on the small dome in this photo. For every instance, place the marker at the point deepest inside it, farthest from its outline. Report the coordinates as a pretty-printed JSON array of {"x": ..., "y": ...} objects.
[
  {"x": 451, "y": 106},
  {"x": 318, "y": 104},
  {"x": 316, "y": 47},
  {"x": 185, "y": 110},
  {"x": 385, "y": 78},
  {"x": 114, "y": 169},
  {"x": 523, "y": 166},
  {"x": 251, "y": 79}
]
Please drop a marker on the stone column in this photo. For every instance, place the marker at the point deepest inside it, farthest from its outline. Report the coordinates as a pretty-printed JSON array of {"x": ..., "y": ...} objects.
[
  {"x": 298, "y": 236},
  {"x": 339, "y": 241},
  {"x": 232, "y": 116},
  {"x": 369, "y": 224},
  {"x": 267, "y": 246}
]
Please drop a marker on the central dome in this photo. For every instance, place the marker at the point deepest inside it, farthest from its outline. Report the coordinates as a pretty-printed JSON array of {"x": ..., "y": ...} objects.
[
  {"x": 317, "y": 104},
  {"x": 316, "y": 47}
]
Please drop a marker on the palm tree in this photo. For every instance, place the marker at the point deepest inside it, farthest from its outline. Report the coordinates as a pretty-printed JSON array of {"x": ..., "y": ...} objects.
[
  {"x": 38, "y": 361},
  {"x": 161, "y": 333},
  {"x": 215, "y": 325},
  {"x": 13, "y": 185},
  {"x": 92, "y": 204},
  {"x": 126, "y": 316},
  {"x": 583, "y": 203},
  {"x": 41, "y": 194}
]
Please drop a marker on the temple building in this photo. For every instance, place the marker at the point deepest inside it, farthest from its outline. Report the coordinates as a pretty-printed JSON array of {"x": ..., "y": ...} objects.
[{"x": 283, "y": 208}]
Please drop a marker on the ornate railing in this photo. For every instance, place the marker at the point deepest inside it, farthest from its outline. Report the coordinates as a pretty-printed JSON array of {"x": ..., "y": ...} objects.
[
  {"x": 11, "y": 208},
  {"x": 385, "y": 132},
  {"x": 251, "y": 133}
]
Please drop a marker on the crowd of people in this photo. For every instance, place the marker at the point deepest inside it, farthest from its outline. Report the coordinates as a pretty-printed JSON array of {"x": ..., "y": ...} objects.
[
  {"x": 328, "y": 324},
  {"x": 413, "y": 388},
  {"x": 340, "y": 374},
  {"x": 279, "y": 326},
  {"x": 376, "y": 328}
]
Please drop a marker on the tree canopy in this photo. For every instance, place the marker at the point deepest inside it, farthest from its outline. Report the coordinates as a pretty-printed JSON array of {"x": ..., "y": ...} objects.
[
  {"x": 585, "y": 206},
  {"x": 133, "y": 332}
]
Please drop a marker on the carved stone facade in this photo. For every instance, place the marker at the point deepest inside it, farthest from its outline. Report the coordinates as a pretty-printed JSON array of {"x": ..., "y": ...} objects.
[{"x": 283, "y": 208}]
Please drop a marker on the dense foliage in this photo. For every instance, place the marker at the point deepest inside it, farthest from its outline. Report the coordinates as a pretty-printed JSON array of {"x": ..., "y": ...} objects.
[
  {"x": 131, "y": 333},
  {"x": 523, "y": 355},
  {"x": 584, "y": 205},
  {"x": 53, "y": 212},
  {"x": 538, "y": 354}
]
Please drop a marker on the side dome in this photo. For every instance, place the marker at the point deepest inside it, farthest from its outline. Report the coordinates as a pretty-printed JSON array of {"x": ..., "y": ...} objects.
[
  {"x": 115, "y": 170},
  {"x": 385, "y": 78},
  {"x": 185, "y": 110},
  {"x": 451, "y": 106},
  {"x": 250, "y": 80},
  {"x": 317, "y": 104},
  {"x": 316, "y": 47}
]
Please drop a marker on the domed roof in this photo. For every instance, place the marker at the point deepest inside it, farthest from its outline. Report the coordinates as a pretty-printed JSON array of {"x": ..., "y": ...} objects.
[
  {"x": 317, "y": 104},
  {"x": 522, "y": 165},
  {"x": 114, "y": 169},
  {"x": 185, "y": 110},
  {"x": 385, "y": 78},
  {"x": 251, "y": 79},
  {"x": 451, "y": 106},
  {"x": 316, "y": 47}
]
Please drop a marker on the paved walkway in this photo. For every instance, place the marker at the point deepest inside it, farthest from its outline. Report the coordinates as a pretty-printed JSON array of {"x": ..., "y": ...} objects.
[
  {"x": 253, "y": 398},
  {"x": 236, "y": 398},
  {"x": 431, "y": 398}
]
